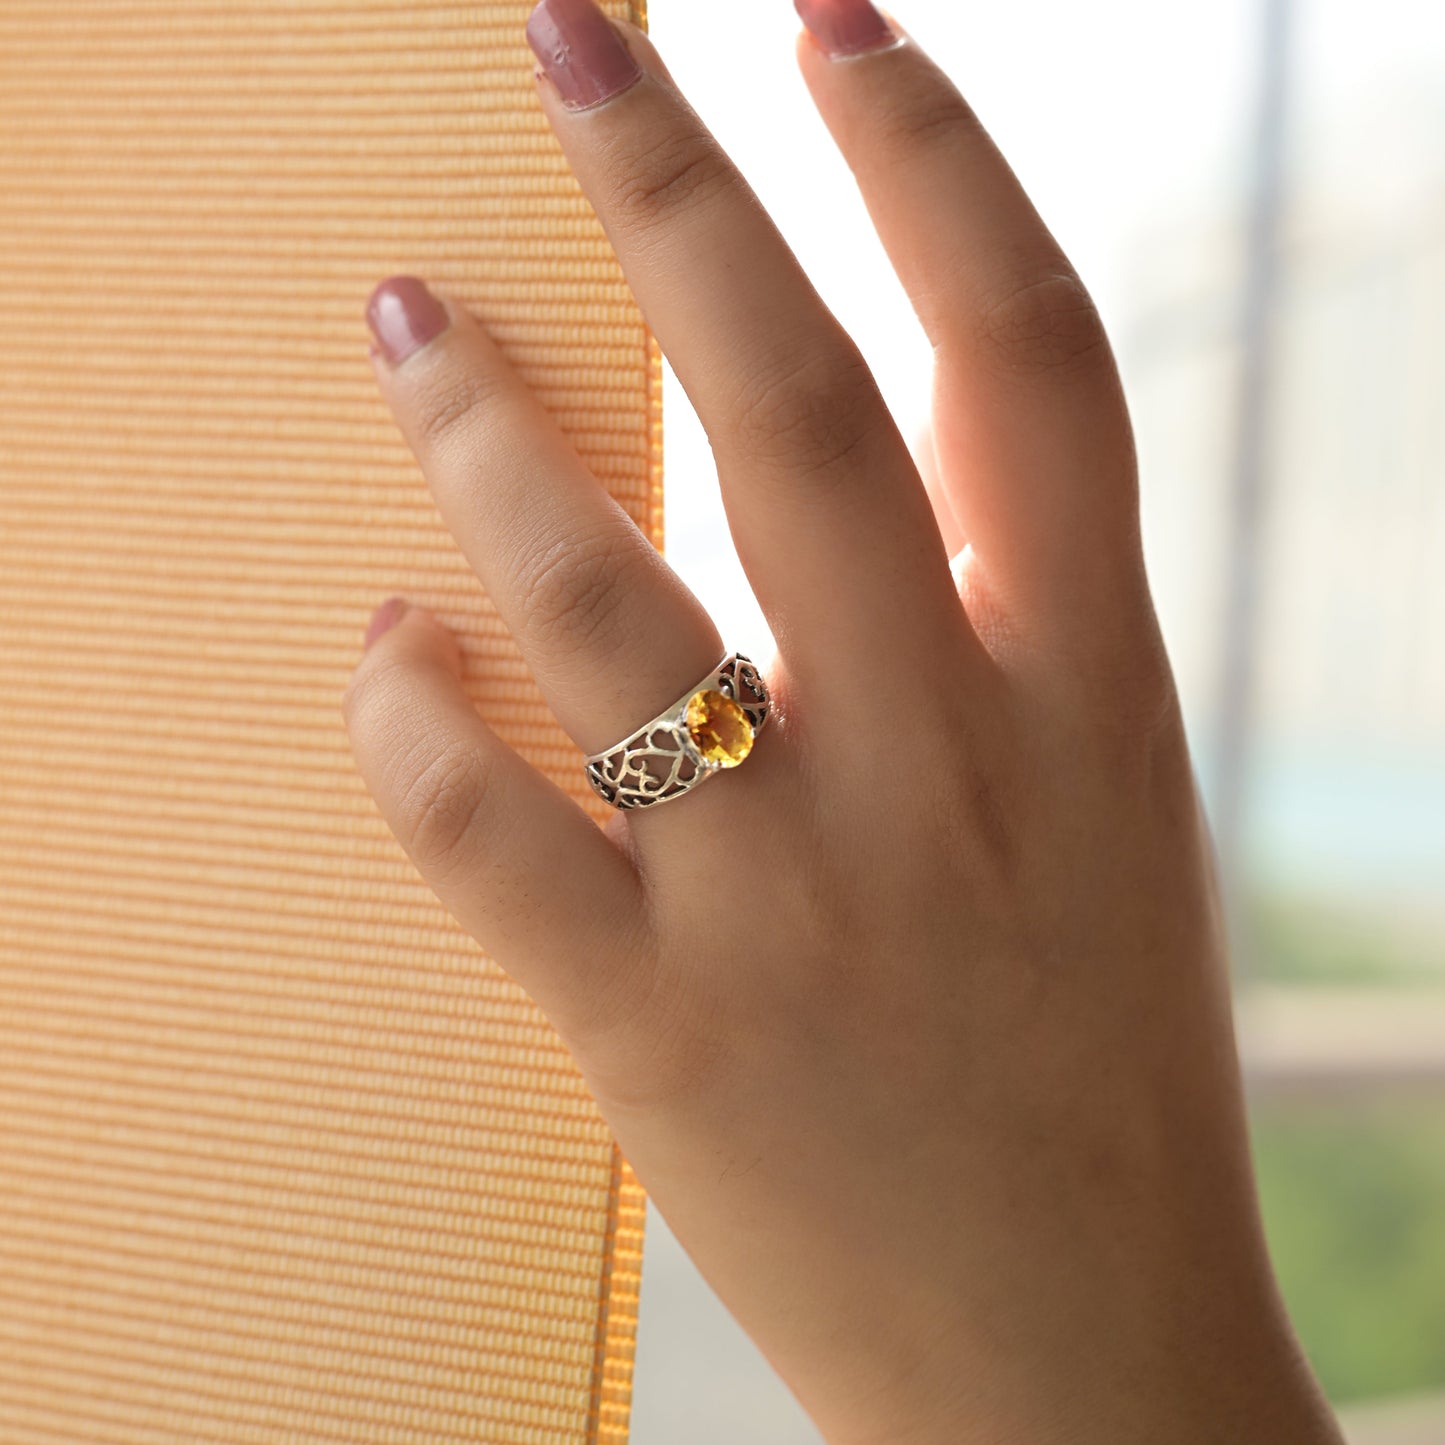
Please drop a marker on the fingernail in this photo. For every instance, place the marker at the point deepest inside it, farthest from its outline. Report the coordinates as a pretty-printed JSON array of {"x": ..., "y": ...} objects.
[
  {"x": 844, "y": 27},
  {"x": 384, "y": 619},
  {"x": 581, "y": 53},
  {"x": 404, "y": 316}
]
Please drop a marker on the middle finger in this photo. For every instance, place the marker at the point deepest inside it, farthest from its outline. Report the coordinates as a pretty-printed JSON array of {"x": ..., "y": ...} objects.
[{"x": 830, "y": 518}]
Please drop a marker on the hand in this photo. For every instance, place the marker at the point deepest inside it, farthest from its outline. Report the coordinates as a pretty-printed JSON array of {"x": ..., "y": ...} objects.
[{"x": 916, "y": 1026}]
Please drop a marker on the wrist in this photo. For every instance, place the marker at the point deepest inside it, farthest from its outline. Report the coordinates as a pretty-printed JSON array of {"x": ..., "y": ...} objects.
[{"x": 1248, "y": 1384}]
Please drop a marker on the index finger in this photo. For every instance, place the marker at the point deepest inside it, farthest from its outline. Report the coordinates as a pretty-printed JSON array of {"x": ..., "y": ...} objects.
[{"x": 1033, "y": 438}]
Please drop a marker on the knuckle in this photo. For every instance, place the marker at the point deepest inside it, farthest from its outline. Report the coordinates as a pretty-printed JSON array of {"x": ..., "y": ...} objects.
[
  {"x": 451, "y": 405},
  {"x": 440, "y": 807},
  {"x": 438, "y": 786},
  {"x": 672, "y": 172},
  {"x": 1043, "y": 324},
  {"x": 934, "y": 111},
  {"x": 373, "y": 690},
  {"x": 573, "y": 589},
  {"x": 808, "y": 416}
]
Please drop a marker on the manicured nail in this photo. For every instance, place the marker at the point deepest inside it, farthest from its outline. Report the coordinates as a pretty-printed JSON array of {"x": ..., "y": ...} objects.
[
  {"x": 844, "y": 27},
  {"x": 384, "y": 619},
  {"x": 404, "y": 316},
  {"x": 582, "y": 55}
]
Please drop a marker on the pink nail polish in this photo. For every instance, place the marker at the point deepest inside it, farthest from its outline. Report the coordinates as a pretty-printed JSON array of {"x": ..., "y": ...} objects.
[
  {"x": 404, "y": 316},
  {"x": 844, "y": 27},
  {"x": 581, "y": 53},
  {"x": 384, "y": 619}
]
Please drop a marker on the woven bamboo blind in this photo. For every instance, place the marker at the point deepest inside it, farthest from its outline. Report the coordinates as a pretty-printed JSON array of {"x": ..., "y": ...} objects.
[{"x": 283, "y": 1155}]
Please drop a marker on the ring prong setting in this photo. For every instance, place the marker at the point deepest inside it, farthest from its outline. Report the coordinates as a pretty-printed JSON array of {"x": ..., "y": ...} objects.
[
  {"x": 712, "y": 727},
  {"x": 718, "y": 728}
]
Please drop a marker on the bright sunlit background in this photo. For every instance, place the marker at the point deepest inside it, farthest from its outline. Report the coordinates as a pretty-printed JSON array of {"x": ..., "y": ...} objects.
[{"x": 1254, "y": 191}]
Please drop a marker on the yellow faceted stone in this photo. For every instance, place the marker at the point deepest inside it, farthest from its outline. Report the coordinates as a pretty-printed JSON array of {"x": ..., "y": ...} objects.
[{"x": 719, "y": 728}]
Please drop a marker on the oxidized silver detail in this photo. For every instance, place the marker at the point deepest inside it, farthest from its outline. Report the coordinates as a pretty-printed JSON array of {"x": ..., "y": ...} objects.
[{"x": 659, "y": 761}]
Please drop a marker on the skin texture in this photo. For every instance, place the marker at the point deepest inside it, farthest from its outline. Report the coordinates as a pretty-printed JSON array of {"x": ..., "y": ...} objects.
[{"x": 928, "y": 1061}]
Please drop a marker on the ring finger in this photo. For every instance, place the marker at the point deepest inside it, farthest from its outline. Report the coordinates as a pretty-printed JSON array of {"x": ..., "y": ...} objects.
[{"x": 606, "y": 626}]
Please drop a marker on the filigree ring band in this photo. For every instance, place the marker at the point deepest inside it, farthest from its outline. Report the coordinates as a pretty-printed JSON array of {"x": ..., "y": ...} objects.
[{"x": 709, "y": 728}]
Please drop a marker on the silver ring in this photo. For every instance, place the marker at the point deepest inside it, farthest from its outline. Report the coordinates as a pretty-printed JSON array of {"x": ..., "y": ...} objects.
[{"x": 709, "y": 728}]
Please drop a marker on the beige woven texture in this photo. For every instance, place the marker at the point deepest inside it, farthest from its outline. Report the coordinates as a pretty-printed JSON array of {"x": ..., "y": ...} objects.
[{"x": 283, "y": 1155}]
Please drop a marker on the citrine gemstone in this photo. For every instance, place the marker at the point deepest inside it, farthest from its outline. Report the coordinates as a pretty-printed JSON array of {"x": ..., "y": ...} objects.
[{"x": 719, "y": 728}]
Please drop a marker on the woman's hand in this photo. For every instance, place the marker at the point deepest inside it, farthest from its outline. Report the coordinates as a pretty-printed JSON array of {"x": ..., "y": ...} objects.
[{"x": 916, "y": 1027}]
